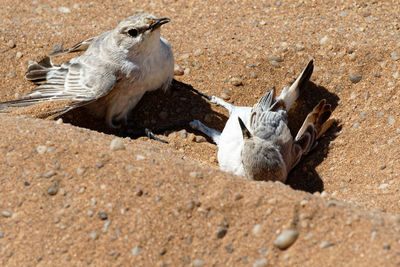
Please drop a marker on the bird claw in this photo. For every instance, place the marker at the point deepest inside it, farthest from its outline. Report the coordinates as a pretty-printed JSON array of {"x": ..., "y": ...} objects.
[{"x": 151, "y": 135}]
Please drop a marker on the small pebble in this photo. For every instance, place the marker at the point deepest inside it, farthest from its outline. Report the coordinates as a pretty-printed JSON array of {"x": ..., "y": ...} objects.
[
  {"x": 49, "y": 174},
  {"x": 275, "y": 58},
  {"x": 395, "y": 56},
  {"x": 52, "y": 191},
  {"x": 325, "y": 244},
  {"x": 198, "y": 263},
  {"x": 178, "y": 71},
  {"x": 354, "y": 78},
  {"x": 236, "y": 81},
  {"x": 41, "y": 149},
  {"x": 222, "y": 232},
  {"x": 102, "y": 215},
  {"x": 136, "y": 250},
  {"x": 257, "y": 229},
  {"x": 117, "y": 144},
  {"x": 391, "y": 120},
  {"x": 324, "y": 40},
  {"x": 200, "y": 139},
  {"x": 94, "y": 235},
  {"x": 275, "y": 63},
  {"x": 225, "y": 96},
  {"x": 64, "y": 9},
  {"x": 182, "y": 133},
  {"x": 11, "y": 44},
  {"x": 18, "y": 55},
  {"x": 6, "y": 214},
  {"x": 260, "y": 263},
  {"x": 286, "y": 239}
]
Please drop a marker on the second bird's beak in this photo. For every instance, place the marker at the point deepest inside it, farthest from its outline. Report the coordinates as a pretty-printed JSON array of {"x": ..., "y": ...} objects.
[
  {"x": 158, "y": 22},
  {"x": 246, "y": 133}
]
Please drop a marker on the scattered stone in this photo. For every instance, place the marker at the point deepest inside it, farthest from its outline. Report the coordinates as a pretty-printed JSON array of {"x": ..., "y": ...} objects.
[
  {"x": 117, "y": 144},
  {"x": 257, "y": 229},
  {"x": 260, "y": 263},
  {"x": 236, "y": 81},
  {"x": 182, "y": 133},
  {"x": 325, "y": 244},
  {"x": 383, "y": 186},
  {"x": 198, "y": 52},
  {"x": 354, "y": 78},
  {"x": 94, "y": 235},
  {"x": 395, "y": 56},
  {"x": 222, "y": 232},
  {"x": 1, "y": 235},
  {"x": 286, "y": 239},
  {"x": 225, "y": 96},
  {"x": 136, "y": 250},
  {"x": 102, "y": 215},
  {"x": 275, "y": 63},
  {"x": 229, "y": 249},
  {"x": 18, "y": 55},
  {"x": 64, "y": 9},
  {"x": 6, "y": 214},
  {"x": 163, "y": 252},
  {"x": 186, "y": 71},
  {"x": 178, "y": 71},
  {"x": 200, "y": 139},
  {"x": 11, "y": 44},
  {"x": 275, "y": 58},
  {"x": 49, "y": 174},
  {"x": 324, "y": 40},
  {"x": 41, "y": 149},
  {"x": 391, "y": 120},
  {"x": 198, "y": 263},
  {"x": 52, "y": 191}
]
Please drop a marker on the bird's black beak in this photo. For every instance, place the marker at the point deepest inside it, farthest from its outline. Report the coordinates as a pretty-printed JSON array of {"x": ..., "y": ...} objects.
[
  {"x": 245, "y": 131},
  {"x": 158, "y": 22}
]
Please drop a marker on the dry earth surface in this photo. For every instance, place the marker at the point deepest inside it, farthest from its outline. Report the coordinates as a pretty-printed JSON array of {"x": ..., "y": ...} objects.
[{"x": 66, "y": 198}]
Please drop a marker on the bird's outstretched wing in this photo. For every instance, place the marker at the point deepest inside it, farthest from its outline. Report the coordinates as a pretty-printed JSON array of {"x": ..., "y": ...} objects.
[
  {"x": 73, "y": 81},
  {"x": 265, "y": 123},
  {"x": 81, "y": 46}
]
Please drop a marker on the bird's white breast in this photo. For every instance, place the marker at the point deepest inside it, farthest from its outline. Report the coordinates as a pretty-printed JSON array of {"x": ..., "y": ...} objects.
[{"x": 231, "y": 141}]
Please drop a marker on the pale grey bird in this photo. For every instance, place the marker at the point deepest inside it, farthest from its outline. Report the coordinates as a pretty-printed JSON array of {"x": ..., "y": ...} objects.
[
  {"x": 117, "y": 68},
  {"x": 256, "y": 141}
]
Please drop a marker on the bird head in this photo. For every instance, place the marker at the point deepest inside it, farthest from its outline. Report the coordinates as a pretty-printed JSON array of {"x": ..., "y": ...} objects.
[
  {"x": 261, "y": 159},
  {"x": 139, "y": 31}
]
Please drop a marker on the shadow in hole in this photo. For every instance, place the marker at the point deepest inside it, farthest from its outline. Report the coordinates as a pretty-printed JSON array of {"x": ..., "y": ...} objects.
[
  {"x": 303, "y": 176},
  {"x": 158, "y": 111}
]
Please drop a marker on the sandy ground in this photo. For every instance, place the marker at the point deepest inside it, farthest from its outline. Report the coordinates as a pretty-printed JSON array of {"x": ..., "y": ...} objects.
[{"x": 67, "y": 199}]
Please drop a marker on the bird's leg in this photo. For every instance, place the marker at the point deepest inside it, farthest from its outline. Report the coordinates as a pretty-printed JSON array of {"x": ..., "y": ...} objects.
[
  {"x": 133, "y": 130},
  {"x": 214, "y": 134},
  {"x": 188, "y": 86},
  {"x": 213, "y": 99}
]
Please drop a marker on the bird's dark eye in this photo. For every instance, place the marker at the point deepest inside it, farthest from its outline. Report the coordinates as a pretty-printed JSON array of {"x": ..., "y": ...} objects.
[{"x": 133, "y": 32}]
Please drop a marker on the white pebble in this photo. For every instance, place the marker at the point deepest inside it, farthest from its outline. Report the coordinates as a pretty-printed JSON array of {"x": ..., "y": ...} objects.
[
  {"x": 140, "y": 157},
  {"x": 198, "y": 263},
  {"x": 260, "y": 263},
  {"x": 6, "y": 214},
  {"x": 136, "y": 250},
  {"x": 286, "y": 238},
  {"x": 324, "y": 40},
  {"x": 257, "y": 229},
  {"x": 41, "y": 149},
  {"x": 117, "y": 144},
  {"x": 64, "y": 9}
]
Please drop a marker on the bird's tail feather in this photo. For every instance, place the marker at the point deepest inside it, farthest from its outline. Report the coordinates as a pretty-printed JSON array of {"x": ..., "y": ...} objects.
[
  {"x": 314, "y": 126},
  {"x": 37, "y": 71},
  {"x": 289, "y": 94},
  {"x": 82, "y": 46}
]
